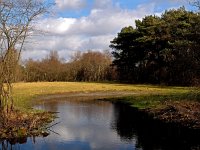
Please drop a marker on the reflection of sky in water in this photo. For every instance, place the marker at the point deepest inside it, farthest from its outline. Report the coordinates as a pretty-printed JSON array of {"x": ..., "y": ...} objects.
[
  {"x": 82, "y": 126},
  {"x": 99, "y": 125}
]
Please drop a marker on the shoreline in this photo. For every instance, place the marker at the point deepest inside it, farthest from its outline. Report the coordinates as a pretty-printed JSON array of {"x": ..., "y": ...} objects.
[
  {"x": 184, "y": 113},
  {"x": 147, "y": 97}
]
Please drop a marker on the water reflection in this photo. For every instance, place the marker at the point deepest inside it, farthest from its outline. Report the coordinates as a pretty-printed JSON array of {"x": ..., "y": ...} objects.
[
  {"x": 14, "y": 144},
  {"x": 88, "y": 122},
  {"x": 152, "y": 135},
  {"x": 100, "y": 125}
]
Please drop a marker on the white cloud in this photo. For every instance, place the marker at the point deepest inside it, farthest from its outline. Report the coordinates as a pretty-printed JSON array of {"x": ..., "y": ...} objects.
[
  {"x": 108, "y": 21},
  {"x": 97, "y": 42},
  {"x": 102, "y": 3},
  {"x": 55, "y": 25},
  {"x": 92, "y": 32},
  {"x": 70, "y": 4},
  {"x": 34, "y": 54}
]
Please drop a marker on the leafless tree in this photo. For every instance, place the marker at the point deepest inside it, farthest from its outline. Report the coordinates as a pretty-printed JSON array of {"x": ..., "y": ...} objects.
[
  {"x": 85, "y": 66},
  {"x": 16, "y": 17},
  {"x": 91, "y": 66}
]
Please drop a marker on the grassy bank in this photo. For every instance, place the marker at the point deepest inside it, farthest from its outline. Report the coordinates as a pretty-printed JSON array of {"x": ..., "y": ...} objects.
[
  {"x": 170, "y": 104},
  {"x": 25, "y": 92},
  {"x": 181, "y": 109},
  {"x": 159, "y": 100}
]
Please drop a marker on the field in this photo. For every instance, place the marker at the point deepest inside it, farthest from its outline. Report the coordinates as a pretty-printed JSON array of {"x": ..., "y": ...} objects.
[{"x": 144, "y": 95}]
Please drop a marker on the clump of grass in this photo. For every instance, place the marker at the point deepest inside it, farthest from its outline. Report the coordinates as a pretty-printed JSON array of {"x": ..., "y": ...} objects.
[{"x": 17, "y": 124}]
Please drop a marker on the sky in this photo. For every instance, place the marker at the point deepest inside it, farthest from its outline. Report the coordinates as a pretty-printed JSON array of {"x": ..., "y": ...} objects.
[{"x": 82, "y": 25}]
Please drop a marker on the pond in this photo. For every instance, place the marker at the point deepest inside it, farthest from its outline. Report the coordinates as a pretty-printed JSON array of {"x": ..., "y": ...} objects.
[{"x": 101, "y": 125}]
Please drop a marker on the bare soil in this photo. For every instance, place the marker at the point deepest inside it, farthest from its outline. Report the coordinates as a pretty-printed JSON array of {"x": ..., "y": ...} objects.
[{"x": 87, "y": 95}]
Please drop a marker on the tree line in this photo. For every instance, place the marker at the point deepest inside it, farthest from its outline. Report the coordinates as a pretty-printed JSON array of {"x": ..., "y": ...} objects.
[
  {"x": 86, "y": 66},
  {"x": 160, "y": 49}
]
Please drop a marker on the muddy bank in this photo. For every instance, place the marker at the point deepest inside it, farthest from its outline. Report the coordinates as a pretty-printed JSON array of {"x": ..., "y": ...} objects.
[
  {"x": 86, "y": 95},
  {"x": 179, "y": 114},
  {"x": 182, "y": 113}
]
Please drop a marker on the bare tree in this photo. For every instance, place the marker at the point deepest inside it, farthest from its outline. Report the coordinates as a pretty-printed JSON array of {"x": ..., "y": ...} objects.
[
  {"x": 91, "y": 66},
  {"x": 16, "y": 17}
]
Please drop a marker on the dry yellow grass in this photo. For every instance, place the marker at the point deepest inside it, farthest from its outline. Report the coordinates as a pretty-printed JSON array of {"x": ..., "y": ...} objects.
[{"x": 24, "y": 92}]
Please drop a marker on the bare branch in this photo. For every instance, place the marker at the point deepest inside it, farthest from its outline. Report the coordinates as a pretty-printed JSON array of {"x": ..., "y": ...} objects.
[{"x": 16, "y": 17}]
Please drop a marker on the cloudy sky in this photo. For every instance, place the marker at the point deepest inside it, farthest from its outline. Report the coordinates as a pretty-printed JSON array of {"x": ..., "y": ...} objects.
[{"x": 81, "y": 25}]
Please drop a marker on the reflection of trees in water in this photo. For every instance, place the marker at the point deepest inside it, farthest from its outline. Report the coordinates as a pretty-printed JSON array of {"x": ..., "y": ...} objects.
[
  {"x": 51, "y": 105},
  {"x": 5, "y": 145},
  {"x": 149, "y": 134},
  {"x": 123, "y": 123},
  {"x": 78, "y": 107},
  {"x": 14, "y": 144}
]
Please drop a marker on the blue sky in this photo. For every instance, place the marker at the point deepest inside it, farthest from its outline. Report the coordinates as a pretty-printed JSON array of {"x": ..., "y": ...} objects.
[
  {"x": 123, "y": 4},
  {"x": 81, "y": 25}
]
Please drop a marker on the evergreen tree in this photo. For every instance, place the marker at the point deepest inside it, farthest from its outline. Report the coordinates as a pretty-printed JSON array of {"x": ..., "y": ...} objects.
[{"x": 161, "y": 49}]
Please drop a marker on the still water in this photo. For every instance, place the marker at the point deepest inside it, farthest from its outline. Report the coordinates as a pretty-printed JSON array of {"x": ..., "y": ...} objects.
[{"x": 100, "y": 125}]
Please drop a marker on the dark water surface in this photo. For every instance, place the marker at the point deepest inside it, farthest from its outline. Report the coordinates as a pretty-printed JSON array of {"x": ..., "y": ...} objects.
[{"x": 100, "y": 125}]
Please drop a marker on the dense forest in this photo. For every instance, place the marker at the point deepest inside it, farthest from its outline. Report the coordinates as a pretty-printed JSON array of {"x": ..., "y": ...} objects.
[{"x": 158, "y": 50}]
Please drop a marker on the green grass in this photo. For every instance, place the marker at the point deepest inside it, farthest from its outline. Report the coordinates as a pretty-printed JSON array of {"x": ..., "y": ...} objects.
[
  {"x": 146, "y": 95},
  {"x": 158, "y": 100}
]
